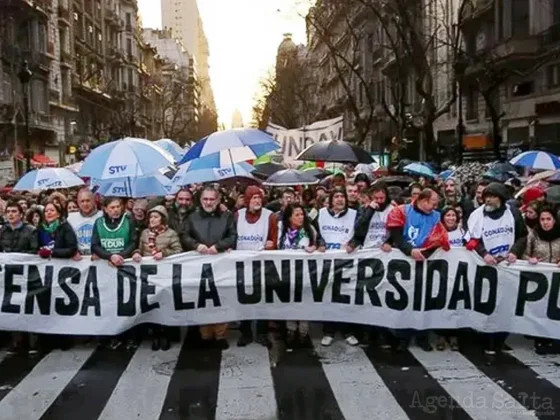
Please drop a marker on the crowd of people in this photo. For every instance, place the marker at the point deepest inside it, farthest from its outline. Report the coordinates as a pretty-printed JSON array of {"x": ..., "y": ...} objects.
[{"x": 343, "y": 213}]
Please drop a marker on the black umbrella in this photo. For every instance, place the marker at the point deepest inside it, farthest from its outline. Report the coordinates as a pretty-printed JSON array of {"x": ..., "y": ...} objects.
[
  {"x": 269, "y": 168},
  {"x": 318, "y": 173},
  {"x": 291, "y": 177},
  {"x": 335, "y": 151},
  {"x": 553, "y": 194},
  {"x": 504, "y": 167}
]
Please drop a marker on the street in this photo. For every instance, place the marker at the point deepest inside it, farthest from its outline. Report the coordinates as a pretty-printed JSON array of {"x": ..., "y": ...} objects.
[{"x": 253, "y": 383}]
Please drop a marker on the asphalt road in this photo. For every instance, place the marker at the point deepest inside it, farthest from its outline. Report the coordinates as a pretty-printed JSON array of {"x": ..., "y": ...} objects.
[{"x": 254, "y": 383}]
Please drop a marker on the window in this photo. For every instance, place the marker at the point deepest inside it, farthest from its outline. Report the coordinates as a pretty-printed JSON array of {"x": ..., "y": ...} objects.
[
  {"x": 129, "y": 46},
  {"x": 38, "y": 94},
  {"x": 553, "y": 76},
  {"x": 520, "y": 18},
  {"x": 472, "y": 104},
  {"x": 523, "y": 88},
  {"x": 6, "y": 94}
]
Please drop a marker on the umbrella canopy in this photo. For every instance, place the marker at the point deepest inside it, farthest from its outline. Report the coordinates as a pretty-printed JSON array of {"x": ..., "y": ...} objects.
[
  {"x": 75, "y": 167},
  {"x": 291, "y": 177},
  {"x": 537, "y": 160},
  {"x": 417, "y": 168},
  {"x": 545, "y": 176},
  {"x": 48, "y": 179},
  {"x": 127, "y": 158},
  {"x": 172, "y": 148},
  {"x": 335, "y": 151},
  {"x": 151, "y": 185},
  {"x": 318, "y": 173},
  {"x": 497, "y": 176},
  {"x": 553, "y": 194},
  {"x": 188, "y": 174},
  {"x": 232, "y": 146},
  {"x": 446, "y": 174},
  {"x": 269, "y": 168},
  {"x": 505, "y": 167}
]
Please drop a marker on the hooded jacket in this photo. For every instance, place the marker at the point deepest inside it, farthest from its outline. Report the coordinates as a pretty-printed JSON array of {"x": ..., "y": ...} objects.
[{"x": 475, "y": 221}]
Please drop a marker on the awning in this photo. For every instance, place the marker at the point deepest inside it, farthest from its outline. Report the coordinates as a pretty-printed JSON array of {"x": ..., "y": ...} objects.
[{"x": 39, "y": 161}]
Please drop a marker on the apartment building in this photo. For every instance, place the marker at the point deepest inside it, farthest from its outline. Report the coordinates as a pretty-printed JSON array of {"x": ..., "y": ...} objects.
[
  {"x": 518, "y": 34},
  {"x": 183, "y": 18}
]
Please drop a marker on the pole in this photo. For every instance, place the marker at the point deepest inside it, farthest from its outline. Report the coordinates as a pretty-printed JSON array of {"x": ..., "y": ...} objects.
[
  {"x": 25, "y": 76},
  {"x": 460, "y": 126},
  {"x": 27, "y": 139}
]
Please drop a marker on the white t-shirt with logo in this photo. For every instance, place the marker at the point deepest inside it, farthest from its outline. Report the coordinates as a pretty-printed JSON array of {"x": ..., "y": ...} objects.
[
  {"x": 498, "y": 236},
  {"x": 377, "y": 233},
  {"x": 456, "y": 237},
  {"x": 252, "y": 236},
  {"x": 83, "y": 227},
  {"x": 337, "y": 231}
]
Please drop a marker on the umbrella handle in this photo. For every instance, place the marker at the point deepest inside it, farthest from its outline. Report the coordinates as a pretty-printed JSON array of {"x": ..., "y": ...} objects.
[{"x": 231, "y": 161}]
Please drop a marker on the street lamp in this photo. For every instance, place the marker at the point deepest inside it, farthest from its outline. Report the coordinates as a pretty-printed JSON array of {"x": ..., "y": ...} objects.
[
  {"x": 25, "y": 76},
  {"x": 460, "y": 68}
]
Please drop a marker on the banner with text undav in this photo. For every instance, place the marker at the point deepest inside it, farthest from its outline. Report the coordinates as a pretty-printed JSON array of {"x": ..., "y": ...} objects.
[
  {"x": 295, "y": 141},
  {"x": 450, "y": 290}
]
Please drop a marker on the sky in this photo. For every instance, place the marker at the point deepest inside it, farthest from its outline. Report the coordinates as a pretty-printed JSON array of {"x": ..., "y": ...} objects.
[{"x": 243, "y": 36}]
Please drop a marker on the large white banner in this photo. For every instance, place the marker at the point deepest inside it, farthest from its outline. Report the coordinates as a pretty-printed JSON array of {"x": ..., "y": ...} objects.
[
  {"x": 450, "y": 290},
  {"x": 297, "y": 140}
]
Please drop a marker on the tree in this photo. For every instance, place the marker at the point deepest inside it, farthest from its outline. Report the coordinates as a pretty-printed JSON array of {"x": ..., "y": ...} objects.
[
  {"x": 178, "y": 122},
  {"x": 338, "y": 30}
]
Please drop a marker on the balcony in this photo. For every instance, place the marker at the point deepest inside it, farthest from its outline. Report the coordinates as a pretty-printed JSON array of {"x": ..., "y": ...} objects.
[
  {"x": 37, "y": 60},
  {"x": 54, "y": 96},
  {"x": 476, "y": 9},
  {"x": 113, "y": 19},
  {"x": 44, "y": 6},
  {"x": 550, "y": 37},
  {"x": 64, "y": 18}
]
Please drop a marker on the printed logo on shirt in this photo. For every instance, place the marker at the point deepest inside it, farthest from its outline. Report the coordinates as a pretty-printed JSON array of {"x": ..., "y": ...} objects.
[
  {"x": 329, "y": 228},
  {"x": 333, "y": 246},
  {"x": 250, "y": 238},
  {"x": 413, "y": 234},
  {"x": 498, "y": 231},
  {"x": 84, "y": 233},
  {"x": 456, "y": 242},
  {"x": 112, "y": 243}
]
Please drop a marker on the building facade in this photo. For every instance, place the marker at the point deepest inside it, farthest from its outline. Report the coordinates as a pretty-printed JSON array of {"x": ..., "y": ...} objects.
[
  {"x": 182, "y": 17},
  {"x": 522, "y": 40}
]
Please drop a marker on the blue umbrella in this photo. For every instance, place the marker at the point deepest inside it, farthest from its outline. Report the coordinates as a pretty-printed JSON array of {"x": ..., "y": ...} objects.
[
  {"x": 537, "y": 160},
  {"x": 151, "y": 185},
  {"x": 232, "y": 146},
  {"x": 172, "y": 148},
  {"x": 419, "y": 169},
  {"x": 127, "y": 158},
  {"x": 446, "y": 174},
  {"x": 48, "y": 178},
  {"x": 188, "y": 173}
]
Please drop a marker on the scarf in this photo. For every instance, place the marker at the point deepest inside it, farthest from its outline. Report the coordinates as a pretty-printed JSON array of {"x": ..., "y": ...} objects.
[
  {"x": 153, "y": 233},
  {"x": 533, "y": 223},
  {"x": 547, "y": 235},
  {"x": 294, "y": 237},
  {"x": 50, "y": 227}
]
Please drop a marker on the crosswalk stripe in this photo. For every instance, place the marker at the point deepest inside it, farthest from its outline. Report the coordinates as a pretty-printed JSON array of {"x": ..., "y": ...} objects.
[
  {"x": 246, "y": 388},
  {"x": 13, "y": 369},
  {"x": 141, "y": 389},
  {"x": 193, "y": 389},
  {"x": 522, "y": 383},
  {"x": 36, "y": 392},
  {"x": 412, "y": 386},
  {"x": 481, "y": 398},
  {"x": 358, "y": 388},
  {"x": 87, "y": 393},
  {"x": 310, "y": 399},
  {"x": 547, "y": 367}
]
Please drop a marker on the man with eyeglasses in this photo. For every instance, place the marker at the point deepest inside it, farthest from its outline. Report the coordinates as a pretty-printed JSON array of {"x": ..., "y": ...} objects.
[
  {"x": 16, "y": 236},
  {"x": 209, "y": 231}
]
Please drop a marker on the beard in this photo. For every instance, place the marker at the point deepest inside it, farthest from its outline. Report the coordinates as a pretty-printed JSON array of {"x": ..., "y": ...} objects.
[
  {"x": 183, "y": 209},
  {"x": 255, "y": 209},
  {"x": 489, "y": 208}
]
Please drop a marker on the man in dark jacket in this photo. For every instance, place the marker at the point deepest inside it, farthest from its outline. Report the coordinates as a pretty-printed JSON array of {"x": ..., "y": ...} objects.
[
  {"x": 210, "y": 231},
  {"x": 498, "y": 233},
  {"x": 179, "y": 213},
  {"x": 15, "y": 236}
]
